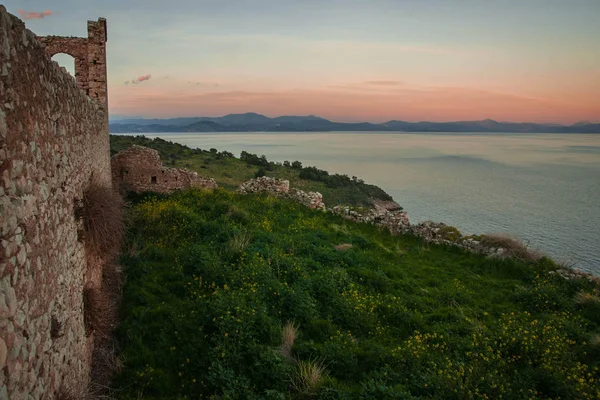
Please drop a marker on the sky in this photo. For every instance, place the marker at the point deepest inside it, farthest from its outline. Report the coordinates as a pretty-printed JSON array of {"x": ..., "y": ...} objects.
[{"x": 346, "y": 60}]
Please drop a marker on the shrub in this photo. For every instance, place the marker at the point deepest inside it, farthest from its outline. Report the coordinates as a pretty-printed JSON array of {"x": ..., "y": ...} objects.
[
  {"x": 514, "y": 248},
  {"x": 103, "y": 221},
  {"x": 261, "y": 172},
  {"x": 584, "y": 298},
  {"x": 450, "y": 233}
]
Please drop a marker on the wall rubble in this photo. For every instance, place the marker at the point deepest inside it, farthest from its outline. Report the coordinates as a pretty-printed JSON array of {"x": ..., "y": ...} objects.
[
  {"x": 281, "y": 188},
  {"x": 53, "y": 139}
]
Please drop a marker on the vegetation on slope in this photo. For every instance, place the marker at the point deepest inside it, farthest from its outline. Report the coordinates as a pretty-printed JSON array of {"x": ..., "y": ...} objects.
[
  {"x": 230, "y": 172},
  {"x": 253, "y": 297}
]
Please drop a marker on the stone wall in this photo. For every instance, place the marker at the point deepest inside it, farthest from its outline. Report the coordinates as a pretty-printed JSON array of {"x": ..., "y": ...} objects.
[
  {"x": 90, "y": 57},
  {"x": 139, "y": 169},
  {"x": 281, "y": 188},
  {"x": 53, "y": 139}
]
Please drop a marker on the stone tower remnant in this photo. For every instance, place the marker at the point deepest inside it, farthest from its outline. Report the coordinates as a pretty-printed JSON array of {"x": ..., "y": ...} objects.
[{"x": 90, "y": 57}]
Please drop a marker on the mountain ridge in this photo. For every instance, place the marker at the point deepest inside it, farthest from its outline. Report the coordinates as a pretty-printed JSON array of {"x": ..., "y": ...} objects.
[{"x": 254, "y": 122}]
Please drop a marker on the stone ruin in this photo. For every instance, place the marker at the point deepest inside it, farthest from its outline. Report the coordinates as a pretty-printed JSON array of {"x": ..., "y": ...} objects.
[
  {"x": 387, "y": 214},
  {"x": 90, "y": 57},
  {"x": 281, "y": 188},
  {"x": 140, "y": 169}
]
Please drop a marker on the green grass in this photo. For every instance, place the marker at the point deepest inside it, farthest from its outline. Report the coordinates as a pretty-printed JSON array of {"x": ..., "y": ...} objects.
[
  {"x": 213, "y": 277},
  {"x": 229, "y": 172}
]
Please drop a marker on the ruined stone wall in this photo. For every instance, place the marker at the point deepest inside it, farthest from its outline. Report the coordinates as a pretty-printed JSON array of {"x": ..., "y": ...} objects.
[
  {"x": 281, "y": 188},
  {"x": 139, "y": 169},
  {"x": 53, "y": 138},
  {"x": 90, "y": 58}
]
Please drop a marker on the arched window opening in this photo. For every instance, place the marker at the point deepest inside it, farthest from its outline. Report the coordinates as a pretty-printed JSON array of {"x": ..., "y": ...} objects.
[{"x": 65, "y": 60}]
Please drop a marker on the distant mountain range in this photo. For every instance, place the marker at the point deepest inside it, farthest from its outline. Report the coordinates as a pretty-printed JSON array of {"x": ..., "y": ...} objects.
[{"x": 252, "y": 122}]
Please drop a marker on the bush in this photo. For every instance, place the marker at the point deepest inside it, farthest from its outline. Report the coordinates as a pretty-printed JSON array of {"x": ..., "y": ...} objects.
[
  {"x": 261, "y": 172},
  {"x": 513, "y": 247},
  {"x": 103, "y": 221}
]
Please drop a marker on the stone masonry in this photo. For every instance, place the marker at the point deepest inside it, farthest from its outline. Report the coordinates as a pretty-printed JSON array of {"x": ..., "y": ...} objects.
[
  {"x": 139, "y": 169},
  {"x": 281, "y": 188},
  {"x": 53, "y": 139},
  {"x": 90, "y": 57}
]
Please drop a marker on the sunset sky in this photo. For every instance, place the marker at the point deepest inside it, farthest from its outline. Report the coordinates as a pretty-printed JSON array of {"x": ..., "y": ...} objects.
[{"x": 346, "y": 60}]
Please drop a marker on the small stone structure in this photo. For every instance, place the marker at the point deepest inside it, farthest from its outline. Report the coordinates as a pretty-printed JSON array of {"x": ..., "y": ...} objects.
[
  {"x": 90, "y": 57},
  {"x": 139, "y": 169},
  {"x": 281, "y": 188},
  {"x": 53, "y": 140}
]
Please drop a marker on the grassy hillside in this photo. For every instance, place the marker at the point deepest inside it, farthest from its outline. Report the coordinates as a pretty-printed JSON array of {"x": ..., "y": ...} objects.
[
  {"x": 230, "y": 172},
  {"x": 251, "y": 297}
]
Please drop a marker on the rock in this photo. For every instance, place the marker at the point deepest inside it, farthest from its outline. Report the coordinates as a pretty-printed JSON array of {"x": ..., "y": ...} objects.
[
  {"x": 343, "y": 247},
  {"x": 3, "y": 353}
]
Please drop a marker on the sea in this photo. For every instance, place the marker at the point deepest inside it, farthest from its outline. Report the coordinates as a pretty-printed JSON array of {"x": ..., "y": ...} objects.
[{"x": 541, "y": 188}]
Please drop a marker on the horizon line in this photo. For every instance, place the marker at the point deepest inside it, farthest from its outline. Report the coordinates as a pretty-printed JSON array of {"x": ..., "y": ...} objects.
[{"x": 124, "y": 117}]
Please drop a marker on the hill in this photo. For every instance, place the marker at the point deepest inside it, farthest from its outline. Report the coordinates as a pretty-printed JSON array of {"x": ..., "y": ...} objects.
[
  {"x": 230, "y": 172},
  {"x": 253, "y": 122},
  {"x": 232, "y": 296}
]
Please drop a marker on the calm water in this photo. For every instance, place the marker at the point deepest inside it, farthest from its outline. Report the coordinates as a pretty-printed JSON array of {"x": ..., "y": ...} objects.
[{"x": 544, "y": 188}]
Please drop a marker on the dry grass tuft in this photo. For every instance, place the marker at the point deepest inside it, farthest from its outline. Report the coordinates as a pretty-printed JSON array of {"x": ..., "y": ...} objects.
[
  {"x": 99, "y": 312},
  {"x": 239, "y": 243},
  {"x": 71, "y": 393},
  {"x": 587, "y": 298},
  {"x": 102, "y": 319},
  {"x": 289, "y": 333},
  {"x": 103, "y": 219},
  {"x": 308, "y": 376},
  {"x": 343, "y": 247},
  {"x": 595, "y": 341},
  {"x": 513, "y": 247}
]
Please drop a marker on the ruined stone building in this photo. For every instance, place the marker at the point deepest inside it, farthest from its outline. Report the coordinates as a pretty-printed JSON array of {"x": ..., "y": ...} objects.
[
  {"x": 139, "y": 169},
  {"x": 53, "y": 142}
]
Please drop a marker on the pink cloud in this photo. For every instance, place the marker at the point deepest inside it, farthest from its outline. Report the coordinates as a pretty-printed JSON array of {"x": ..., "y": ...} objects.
[
  {"x": 139, "y": 79},
  {"x": 34, "y": 15}
]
